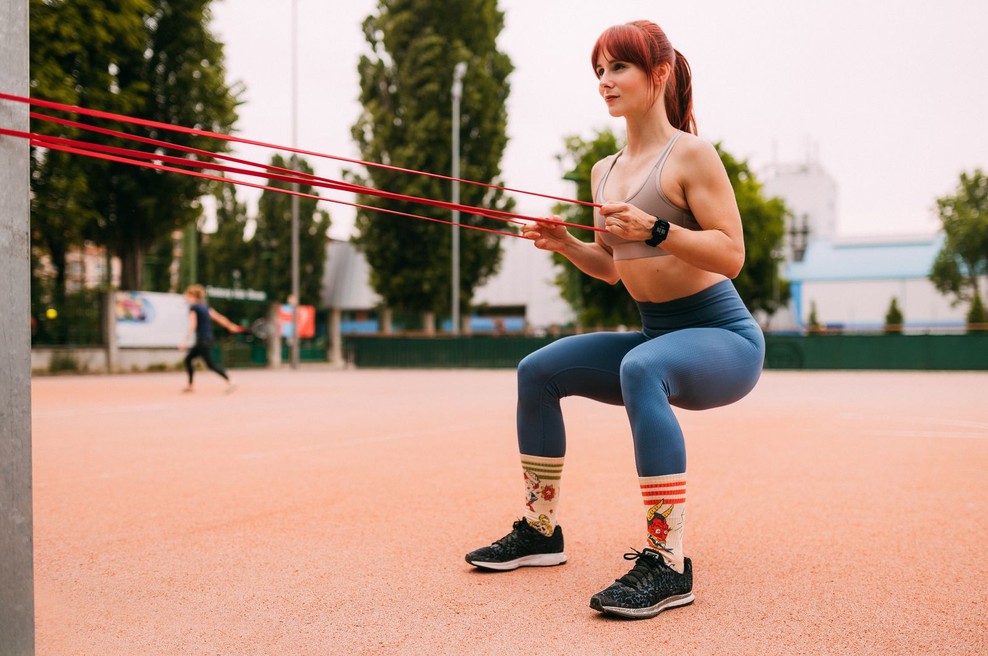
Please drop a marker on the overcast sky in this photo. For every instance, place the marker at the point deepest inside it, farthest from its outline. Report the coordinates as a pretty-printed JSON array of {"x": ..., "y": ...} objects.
[{"x": 891, "y": 97}]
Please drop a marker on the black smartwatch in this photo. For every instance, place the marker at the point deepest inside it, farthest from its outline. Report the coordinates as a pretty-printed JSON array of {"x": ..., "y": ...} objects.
[{"x": 659, "y": 232}]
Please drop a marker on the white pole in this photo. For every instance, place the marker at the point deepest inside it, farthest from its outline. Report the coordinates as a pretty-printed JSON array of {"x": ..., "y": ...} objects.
[
  {"x": 295, "y": 229},
  {"x": 16, "y": 514},
  {"x": 458, "y": 72}
]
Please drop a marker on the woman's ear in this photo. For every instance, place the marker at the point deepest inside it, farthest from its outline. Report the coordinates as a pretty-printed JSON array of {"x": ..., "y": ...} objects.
[{"x": 665, "y": 70}]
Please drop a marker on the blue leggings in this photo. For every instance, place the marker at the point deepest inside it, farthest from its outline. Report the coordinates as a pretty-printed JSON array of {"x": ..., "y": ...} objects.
[{"x": 697, "y": 352}]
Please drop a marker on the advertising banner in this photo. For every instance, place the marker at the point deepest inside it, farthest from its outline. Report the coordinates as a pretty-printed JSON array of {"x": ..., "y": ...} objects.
[
  {"x": 306, "y": 321},
  {"x": 150, "y": 319}
]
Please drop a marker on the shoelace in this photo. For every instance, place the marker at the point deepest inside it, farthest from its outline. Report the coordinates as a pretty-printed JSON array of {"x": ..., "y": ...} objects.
[
  {"x": 511, "y": 538},
  {"x": 645, "y": 564}
]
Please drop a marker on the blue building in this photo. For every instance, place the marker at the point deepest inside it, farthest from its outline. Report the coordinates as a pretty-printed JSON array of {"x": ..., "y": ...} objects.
[{"x": 851, "y": 284}]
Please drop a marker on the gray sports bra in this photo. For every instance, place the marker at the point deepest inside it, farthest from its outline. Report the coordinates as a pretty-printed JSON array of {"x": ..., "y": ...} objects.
[{"x": 649, "y": 198}]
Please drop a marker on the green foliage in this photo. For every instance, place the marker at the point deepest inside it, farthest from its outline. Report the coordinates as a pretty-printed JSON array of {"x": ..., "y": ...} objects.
[
  {"x": 63, "y": 362},
  {"x": 977, "y": 316},
  {"x": 598, "y": 303},
  {"x": 964, "y": 256},
  {"x": 152, "y": 59},
  {"x": 271, "y": 246},
  {"x": 813, "y": 323},
  {"x": 226, "y": 258},
  {"x": 77, "y": 319},
  {"x": 595, "y": 302},
  {"x": 893, "y": 318},
  {"x": 763, "y": 221},
  {"x": 407, "y": 121}
]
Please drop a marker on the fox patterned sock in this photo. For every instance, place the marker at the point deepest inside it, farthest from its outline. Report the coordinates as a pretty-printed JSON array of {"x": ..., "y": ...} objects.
[
  {"x": 665, "y": 498},
  {"x": 541, "y": 491}
]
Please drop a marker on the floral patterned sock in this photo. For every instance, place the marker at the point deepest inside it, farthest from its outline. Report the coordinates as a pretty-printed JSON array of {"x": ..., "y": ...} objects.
[
  {"x": 541, "y": 491},
  {"x": 665, "y": 498}
]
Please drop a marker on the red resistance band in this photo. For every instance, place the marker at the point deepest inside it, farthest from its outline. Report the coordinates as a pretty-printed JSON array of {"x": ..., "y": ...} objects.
[
  {"x": 102, "y": 152},
  {"x": 86, "y": 149}
]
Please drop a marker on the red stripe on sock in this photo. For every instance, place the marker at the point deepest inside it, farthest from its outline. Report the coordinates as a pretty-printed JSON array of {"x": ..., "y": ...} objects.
[{"x": 668, "y": 502}]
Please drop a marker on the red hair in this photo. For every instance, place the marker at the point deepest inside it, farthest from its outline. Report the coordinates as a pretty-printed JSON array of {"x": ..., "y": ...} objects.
[{"x": 644, "y": 44}]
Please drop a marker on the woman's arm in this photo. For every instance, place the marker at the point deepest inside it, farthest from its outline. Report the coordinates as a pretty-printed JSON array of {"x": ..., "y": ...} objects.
[
  {"x": 223, "y": 321},
  {"x": 592, "y": 258},
  {"x": 190, "y": 331},
  {"x": 719, "y": 246}
]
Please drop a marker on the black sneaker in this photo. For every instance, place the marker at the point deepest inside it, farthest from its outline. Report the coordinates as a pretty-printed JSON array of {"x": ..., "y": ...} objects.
[
  {"x": 522, "y": 547},
  {"x": 648, "y": 589}
]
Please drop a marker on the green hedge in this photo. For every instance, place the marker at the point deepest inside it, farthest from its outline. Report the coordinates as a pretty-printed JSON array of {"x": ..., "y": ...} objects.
[{"x": 923, "y": 352}]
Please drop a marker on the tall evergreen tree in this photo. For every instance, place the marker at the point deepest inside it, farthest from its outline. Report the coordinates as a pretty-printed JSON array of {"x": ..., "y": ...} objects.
[
  {"x": 152, "y": 59},
  {"x": 75, "y": 52},
  {"x": 964, "y": 256},
  {"x": 271, "y": 248},
  {"x": 226, "y": 257},
  {"x": 407, "y": 122}
]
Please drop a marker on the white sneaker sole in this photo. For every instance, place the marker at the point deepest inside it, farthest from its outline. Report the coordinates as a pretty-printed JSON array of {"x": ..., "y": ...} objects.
[
  {"x": 651, "y": 611},
  {"x": 535, "y": 560}
]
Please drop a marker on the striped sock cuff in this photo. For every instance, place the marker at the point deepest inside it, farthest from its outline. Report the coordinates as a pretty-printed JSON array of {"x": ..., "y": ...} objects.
[
  {"x": 548, "y": 469},
  {"x": 666, "y": 490}
]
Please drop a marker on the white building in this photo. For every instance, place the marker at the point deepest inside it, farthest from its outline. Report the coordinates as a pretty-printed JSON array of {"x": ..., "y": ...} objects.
[
  {"x": 811, "y": 195},
  {"x": 851, "y": 282},
  {"x": 521, "y": 296}
]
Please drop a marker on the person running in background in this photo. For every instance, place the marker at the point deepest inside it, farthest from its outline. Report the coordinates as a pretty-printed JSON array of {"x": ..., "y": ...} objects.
[
  {"x": 201, "y": 318},
  {"x": 672, "y": 235}
]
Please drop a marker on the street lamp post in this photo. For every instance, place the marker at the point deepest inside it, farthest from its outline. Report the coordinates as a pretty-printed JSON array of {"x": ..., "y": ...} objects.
[
  {"x": 458, "y": 72},
  {"x": 295, "y": 245}
]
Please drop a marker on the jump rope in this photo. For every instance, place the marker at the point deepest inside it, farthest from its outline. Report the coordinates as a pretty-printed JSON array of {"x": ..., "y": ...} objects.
[{"x": 195, "y": 167}]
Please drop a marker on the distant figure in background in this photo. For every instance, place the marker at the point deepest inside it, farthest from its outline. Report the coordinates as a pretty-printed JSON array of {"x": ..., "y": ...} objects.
[{"x": 201, "y": 318}]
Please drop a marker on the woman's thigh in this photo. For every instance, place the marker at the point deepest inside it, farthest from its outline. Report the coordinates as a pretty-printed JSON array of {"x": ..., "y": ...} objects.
[
  {"x": 696, "y": 368},
  {"x": 586, "y": 365}
]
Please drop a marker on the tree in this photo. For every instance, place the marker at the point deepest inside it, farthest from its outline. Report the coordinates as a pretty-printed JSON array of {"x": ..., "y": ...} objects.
[
  {"x": 151, "y": 59},
  {"x": 271, "y": 248},
  {"x": 893, "y": 318},
  {"x": 226, "y": 257},
  {"x": 763, "y": 221},
  {"x": 977, "y": 316},
  {"x": 407, "y": 122},
  {"x": 75, "y": 49},
  {"x": 964, "y": 256},
  {"x": 813, "y": 323},
  {"x": 596, "y": 302}
]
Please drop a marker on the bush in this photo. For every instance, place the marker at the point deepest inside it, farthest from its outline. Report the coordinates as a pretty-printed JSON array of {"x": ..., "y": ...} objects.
[
  {"x": 63, "y": 361},
  {"x": 977, "y": 317},
  {"x": 893, "y": 318}
]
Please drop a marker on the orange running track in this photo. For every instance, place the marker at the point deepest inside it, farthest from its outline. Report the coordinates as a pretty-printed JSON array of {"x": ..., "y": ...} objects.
[{"x": 322, "y": 511}]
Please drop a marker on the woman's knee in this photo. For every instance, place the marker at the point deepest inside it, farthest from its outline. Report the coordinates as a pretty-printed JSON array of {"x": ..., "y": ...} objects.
[
  {"x": 534, "y": 371},
  {"x": 640, "y": 373}
]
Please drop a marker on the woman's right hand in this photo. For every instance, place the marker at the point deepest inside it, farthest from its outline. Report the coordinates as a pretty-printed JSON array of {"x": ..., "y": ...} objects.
[{"x": 547, "y": 236}]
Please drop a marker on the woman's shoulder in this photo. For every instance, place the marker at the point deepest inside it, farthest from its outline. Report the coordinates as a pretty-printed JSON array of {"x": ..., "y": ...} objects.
[
  {"x": 695, "y": 152},
  {"x": 606, "y": 161},
  {"x": 691, "y": 144}
]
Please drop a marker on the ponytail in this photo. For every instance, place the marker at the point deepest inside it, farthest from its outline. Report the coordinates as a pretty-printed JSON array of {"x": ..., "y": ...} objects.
[{"x": 679, "y": 95}]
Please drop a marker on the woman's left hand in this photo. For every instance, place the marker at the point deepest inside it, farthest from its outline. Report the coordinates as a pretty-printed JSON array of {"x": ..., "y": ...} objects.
[{"x": 627, "y": 221}]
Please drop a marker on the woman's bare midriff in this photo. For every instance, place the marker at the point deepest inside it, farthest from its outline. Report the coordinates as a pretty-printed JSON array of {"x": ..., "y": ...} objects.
[{"x": 660, "y": 279}]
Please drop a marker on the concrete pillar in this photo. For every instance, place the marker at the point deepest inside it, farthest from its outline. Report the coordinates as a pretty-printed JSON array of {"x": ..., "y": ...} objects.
[
  {"x": 387, "y": 321},
  {"x": 274, "y": 336},
  {"x": 110, "y": 331},
  {"x": 336, "y": 337},
  {"x": 16, "y": 514}
]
